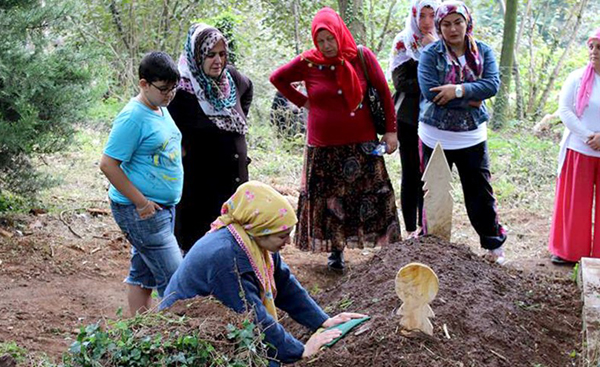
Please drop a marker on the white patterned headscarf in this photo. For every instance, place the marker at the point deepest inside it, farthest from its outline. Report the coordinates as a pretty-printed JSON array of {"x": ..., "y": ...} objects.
[
  {"x": 407, "y": 44},
  {"x": 217, "y": 96}
]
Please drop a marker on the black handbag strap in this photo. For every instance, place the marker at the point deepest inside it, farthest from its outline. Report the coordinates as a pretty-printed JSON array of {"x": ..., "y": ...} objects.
[{"x": 363, "y": 63}]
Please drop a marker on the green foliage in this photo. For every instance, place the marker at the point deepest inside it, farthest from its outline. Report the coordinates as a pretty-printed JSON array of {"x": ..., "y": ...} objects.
[
  {"x": 524, "y": 168},
  {"x": 123, "y": 31},
  {"x": 126, "y": 343},
  {"x": 226, "y": 23},
  {"x": 45, "y": 78},
  {"x": 575, "y": 273},
  {"x": 280, "y": 18},
  {"x": 11, "y": 348}
]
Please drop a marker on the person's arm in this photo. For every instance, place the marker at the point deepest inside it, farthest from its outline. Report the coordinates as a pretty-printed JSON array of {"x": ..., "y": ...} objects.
[
  {"x": 186, "y": 112},
  {"x": 566, "y": 109},
  {"x": 247, "y": 97},
  {"x": 405, "y": 80},
  {"x": 124, "y": 139},
  {"x": 380, "y": 83},
  {"x": 112, "y": 170},
  {"x": 294, "y": 299},
  {"x": 428, "y": 79},
  {"x": 489, "y": 83},
  {"x": 226, "y": 288},
  {"x": 245, "y": 88},
  {"x": 284, "y": 76}
]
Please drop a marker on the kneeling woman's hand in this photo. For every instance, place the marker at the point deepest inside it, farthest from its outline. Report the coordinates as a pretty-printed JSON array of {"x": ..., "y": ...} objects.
[
  {"x": 317, "y": 340},
  {"x": 342, "y": 318},
  {"x": 314, "y": 344}
]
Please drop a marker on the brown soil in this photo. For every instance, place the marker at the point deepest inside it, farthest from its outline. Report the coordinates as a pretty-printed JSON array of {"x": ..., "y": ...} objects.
[
  {"x": 209, "y": 318},
  {"x": 52, "y": 282},
  {"x": 495, "y": 316}
]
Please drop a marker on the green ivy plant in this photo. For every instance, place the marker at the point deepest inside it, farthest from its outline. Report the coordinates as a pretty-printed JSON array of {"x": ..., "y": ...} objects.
[{"x": 130, "y": 343}]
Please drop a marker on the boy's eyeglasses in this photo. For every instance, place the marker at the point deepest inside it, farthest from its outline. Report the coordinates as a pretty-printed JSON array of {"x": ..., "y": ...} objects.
[{"x": 164, "y": 90}]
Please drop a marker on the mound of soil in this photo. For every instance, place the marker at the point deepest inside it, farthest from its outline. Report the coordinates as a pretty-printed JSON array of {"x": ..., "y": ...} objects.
[
  {"x": 208, "y": 317},
  {"x": 495, "y": 316}
]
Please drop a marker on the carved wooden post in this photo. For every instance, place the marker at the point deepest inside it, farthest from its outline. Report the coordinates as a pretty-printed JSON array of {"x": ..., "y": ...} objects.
[
  {"x": 437, "y": 203},
  {"x": 416, "y": 285}
]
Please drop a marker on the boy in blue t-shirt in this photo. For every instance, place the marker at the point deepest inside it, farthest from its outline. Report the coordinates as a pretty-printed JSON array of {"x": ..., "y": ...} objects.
[{"x": 142, "y": 161}]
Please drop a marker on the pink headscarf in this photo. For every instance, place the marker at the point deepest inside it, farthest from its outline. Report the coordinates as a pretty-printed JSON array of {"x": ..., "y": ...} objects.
[{"x": 587, "y": 81}]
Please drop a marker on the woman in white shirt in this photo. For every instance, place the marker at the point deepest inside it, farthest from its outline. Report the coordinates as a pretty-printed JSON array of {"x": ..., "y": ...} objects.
[{"x": 578, "y": 183}]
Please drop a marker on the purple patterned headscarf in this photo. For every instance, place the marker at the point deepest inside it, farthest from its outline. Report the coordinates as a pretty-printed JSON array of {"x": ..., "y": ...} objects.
[{"x": 473, "y": 68}]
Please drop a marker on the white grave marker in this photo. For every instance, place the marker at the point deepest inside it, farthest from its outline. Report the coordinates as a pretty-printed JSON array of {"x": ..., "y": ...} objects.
[
  {"x": 416, "y": 285},
  {"x": 437, "y": 202}
]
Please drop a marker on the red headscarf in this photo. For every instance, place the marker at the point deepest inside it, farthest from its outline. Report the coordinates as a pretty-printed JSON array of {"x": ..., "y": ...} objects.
[{"x": 347, "y": 80}]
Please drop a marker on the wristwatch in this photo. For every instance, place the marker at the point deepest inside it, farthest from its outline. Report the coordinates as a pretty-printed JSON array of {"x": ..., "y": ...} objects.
[{"x": 459, "y": 91}]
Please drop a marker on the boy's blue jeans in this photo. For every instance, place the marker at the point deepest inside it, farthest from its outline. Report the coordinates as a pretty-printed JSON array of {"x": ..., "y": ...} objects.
[{"x": 155, "y": 254}]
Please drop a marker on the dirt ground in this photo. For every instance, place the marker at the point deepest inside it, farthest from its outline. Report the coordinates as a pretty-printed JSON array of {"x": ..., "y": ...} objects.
[
  {"x": 485, "y": 315},
  {"x": 64, "y": 269},
  {"x": 53, "y": 281}
]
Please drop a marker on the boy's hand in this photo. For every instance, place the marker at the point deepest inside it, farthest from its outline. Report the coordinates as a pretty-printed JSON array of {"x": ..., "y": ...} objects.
[{"x": 148, "y": 210}]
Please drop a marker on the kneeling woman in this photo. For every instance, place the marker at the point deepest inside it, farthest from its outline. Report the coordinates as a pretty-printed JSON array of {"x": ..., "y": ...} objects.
[{"x": 238, "y": 263}]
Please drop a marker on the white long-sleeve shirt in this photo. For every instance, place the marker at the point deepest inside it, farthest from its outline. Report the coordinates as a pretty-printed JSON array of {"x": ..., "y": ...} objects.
[{"x": 578, "y": 130}]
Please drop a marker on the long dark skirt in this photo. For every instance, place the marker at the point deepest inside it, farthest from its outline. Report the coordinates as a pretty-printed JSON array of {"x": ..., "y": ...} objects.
[{"x": 346, "y": 199}]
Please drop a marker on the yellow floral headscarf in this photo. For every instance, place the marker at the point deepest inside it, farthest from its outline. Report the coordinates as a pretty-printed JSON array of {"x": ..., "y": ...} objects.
[{"x": 256, "y": 210}]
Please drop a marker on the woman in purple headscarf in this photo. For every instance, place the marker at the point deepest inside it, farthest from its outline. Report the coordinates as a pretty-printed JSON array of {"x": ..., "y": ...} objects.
[
  {"x": 578, "y": 185},
  {"x": 456, "y": 74}
]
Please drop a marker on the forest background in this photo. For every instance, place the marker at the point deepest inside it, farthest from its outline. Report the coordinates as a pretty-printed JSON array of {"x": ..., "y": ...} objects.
[{"x": 67, "y": 67}]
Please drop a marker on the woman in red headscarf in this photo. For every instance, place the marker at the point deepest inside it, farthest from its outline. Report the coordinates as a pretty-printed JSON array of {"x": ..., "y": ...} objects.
[
  {"x": 575, "y": 228},
  {"x": 346, "y": 192}
]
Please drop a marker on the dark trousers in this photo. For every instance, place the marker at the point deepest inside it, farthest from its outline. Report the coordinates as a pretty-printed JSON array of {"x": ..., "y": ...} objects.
[
  {"x": 473, "y": 166},
  {"x": 411, "y": 189}
]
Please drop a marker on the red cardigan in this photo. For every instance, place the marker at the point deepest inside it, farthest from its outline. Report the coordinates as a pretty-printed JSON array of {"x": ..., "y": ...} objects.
[{"x": 330, "y": 120}]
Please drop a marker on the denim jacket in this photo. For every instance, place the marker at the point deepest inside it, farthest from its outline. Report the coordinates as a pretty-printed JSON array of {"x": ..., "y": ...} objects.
[
  {"x": 216, "y": 265},
  {"x": 456, "y": 115}
]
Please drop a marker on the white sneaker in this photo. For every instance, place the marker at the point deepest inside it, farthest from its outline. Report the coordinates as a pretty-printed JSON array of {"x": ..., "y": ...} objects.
[{"x": 496, "y": 255}]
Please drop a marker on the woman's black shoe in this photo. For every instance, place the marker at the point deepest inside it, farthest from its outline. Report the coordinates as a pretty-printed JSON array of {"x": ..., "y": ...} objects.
[
  {"x": 335, "y": 262},
  {"x": 559, "y": 260}
]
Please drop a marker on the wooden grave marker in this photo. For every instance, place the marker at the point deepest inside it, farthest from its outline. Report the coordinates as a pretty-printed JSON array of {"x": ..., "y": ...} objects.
[
  {"x": 437, "y": 202},
  {"x": 589, "y": 281},
  {"x": 416, "y": 285}
]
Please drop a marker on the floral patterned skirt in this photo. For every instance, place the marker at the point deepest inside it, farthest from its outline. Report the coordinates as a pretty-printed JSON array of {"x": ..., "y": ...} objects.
[{"x": 346, "y": 198}]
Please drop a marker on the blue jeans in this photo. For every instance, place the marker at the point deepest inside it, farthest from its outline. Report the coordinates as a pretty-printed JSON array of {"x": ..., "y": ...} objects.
[{"x": 155, "y": 254}]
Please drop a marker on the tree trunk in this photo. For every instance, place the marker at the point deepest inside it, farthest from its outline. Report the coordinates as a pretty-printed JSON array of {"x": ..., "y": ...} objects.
[
  {"x": 506, "y": 64},
  {"x": 533, "y": 81},
  {"x": 543, "y": 99},
  {"x": 296, "y": 26},
  {"x": 385, "y": 27},
  {"x": 518, "y": 84},
  {"x": 351, "y": 12},
  {"x": 519, "y": 89}
]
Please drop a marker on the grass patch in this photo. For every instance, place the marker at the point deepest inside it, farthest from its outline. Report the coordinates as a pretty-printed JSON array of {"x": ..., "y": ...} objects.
[{"x": 16, "y": 352}]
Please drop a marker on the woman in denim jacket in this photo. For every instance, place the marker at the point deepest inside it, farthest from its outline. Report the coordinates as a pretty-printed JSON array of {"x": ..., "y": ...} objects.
[{"x": 456, "y": 74}]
